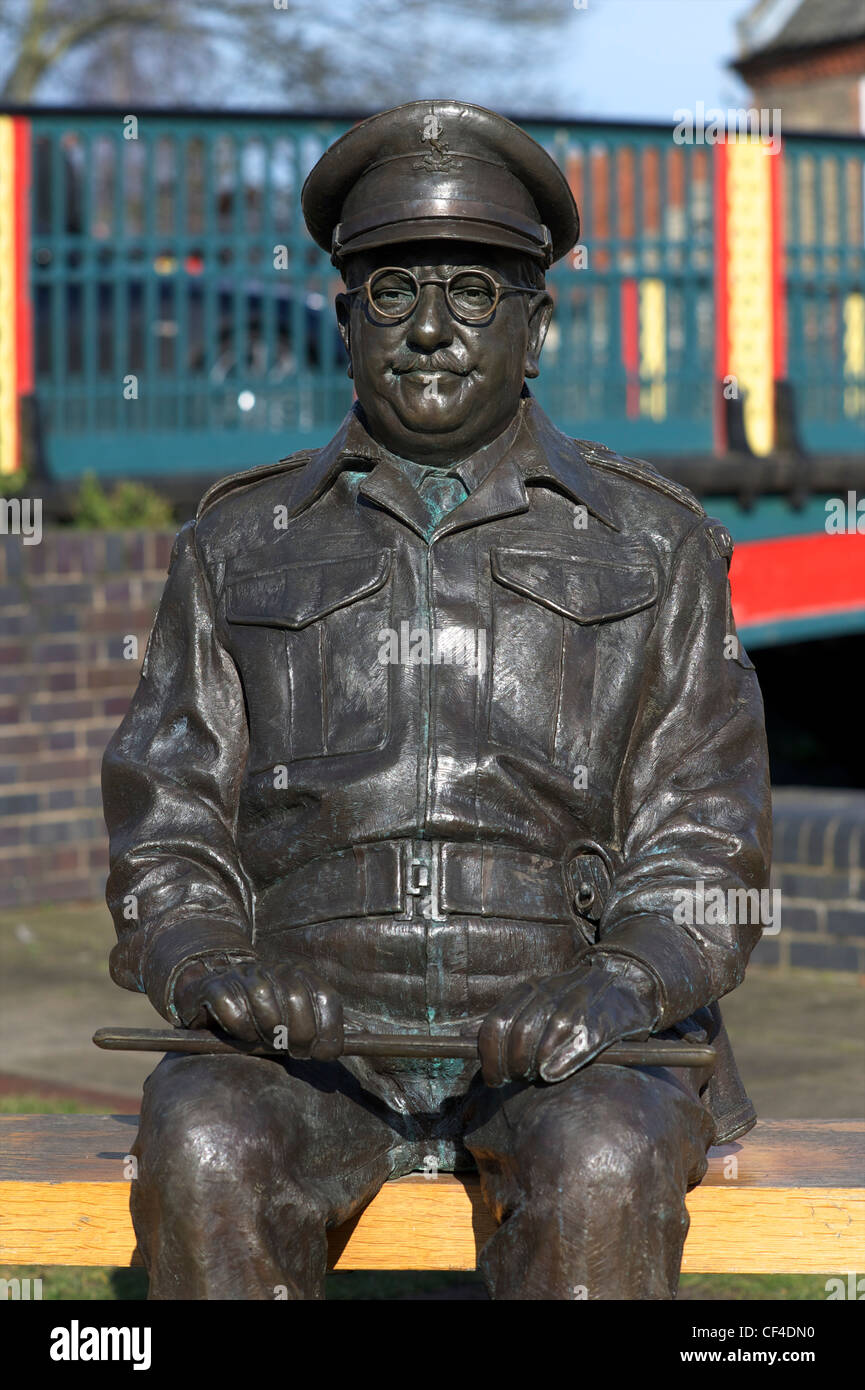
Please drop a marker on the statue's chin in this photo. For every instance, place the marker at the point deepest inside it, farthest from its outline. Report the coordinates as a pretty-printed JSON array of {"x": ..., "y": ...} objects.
[{"x": 439, "y": 403}]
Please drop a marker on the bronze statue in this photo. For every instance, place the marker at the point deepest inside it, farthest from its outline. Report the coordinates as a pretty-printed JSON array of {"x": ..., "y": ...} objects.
[{"x": 436, "y": 727}]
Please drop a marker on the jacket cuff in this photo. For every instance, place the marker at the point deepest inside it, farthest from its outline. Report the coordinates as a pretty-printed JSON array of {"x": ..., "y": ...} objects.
[
  {"x": 174, "y": 946},
  {"x": 641, "y": 982},
  {"x": 671, "y": 955}
]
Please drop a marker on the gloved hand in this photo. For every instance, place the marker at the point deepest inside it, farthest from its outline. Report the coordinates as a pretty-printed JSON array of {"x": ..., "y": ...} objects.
[
  {"x": 249, "y": 1000},
  {"x": 550, "y": 1028}
]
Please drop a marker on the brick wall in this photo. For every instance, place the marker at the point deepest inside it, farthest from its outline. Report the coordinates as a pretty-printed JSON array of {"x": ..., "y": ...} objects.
[
  {"x": 816, "y": 89},
  {"x": 823, "y": 104},
  {"x": 66, "y": 608},
  {"x": 819, "y": 867}
]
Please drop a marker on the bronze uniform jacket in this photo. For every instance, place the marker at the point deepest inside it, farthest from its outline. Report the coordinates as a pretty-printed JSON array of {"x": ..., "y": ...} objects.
[{"x": 599, "y": 751}]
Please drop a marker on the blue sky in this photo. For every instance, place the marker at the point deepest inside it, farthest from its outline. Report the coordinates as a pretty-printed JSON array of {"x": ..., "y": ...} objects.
[
  {"x": 613, "y": 59},
  {"x": 645, "y": 58}
]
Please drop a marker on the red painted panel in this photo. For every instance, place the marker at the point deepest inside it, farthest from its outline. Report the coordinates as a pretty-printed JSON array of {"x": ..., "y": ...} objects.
[
  {"x": 719, "y": 155},
  {"x": 797, "y": 577},
  {"x": 630, "y": 308}
]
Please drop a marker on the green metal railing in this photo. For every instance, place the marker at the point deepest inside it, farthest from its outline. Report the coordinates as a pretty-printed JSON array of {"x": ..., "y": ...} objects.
[
  {"x": 183, "y": 317},
  {"x": 184, "y": 320},
  {"x": 646, "y": 215},
  {"x": 824, "y": 244}
]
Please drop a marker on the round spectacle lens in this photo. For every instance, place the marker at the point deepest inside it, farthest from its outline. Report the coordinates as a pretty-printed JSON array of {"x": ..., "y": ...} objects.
[
  {"x": 472, "y": 294},
  {"x": 393, "y": 293}
]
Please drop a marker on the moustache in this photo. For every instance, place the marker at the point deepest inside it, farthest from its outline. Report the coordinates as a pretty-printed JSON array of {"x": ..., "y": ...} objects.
[{"x": 437, "y": 362}]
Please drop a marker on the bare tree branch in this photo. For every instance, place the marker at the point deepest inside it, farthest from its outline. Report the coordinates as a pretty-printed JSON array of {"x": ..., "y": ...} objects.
[{"x": 378, "y": 52}]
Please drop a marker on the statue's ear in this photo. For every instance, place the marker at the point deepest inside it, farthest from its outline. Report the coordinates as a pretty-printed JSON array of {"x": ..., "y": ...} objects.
[
  {"x": 540, "y": 314},
  {"x": 342, "y": 304}
]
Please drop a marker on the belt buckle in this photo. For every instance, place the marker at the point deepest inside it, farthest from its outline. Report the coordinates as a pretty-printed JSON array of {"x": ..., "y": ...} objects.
[{"x": 421, "y": 863}]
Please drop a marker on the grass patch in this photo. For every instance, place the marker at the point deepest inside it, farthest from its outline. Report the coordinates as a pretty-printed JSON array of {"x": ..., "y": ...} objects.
[
  {"x": 62, "y": 1283},
  {"x": 786, "y": 1288},
  {"x": 26, "y": 1104},
  {"x": 70, "y": 1283}
]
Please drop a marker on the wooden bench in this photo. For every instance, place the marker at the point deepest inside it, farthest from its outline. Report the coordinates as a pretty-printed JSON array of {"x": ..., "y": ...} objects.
[{"x": 789, "y": 1198}]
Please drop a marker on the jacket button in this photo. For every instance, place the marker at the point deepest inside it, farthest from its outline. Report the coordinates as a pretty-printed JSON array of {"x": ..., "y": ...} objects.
[{"x": 585, "y": 894}]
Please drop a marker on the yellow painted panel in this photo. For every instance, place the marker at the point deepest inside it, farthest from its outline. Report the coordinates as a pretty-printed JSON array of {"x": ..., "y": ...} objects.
[{"x": 749, "y": 279}]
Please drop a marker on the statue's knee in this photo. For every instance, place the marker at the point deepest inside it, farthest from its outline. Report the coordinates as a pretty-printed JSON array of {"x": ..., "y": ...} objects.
[
  {"x": 196, "y": 1129},
  {"x": 599, "y": 1144}
]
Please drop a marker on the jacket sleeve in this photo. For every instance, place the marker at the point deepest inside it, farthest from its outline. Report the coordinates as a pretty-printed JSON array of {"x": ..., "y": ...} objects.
[
  {"x": 170, "y": 781},
  {"x": 693, "y": 794}
]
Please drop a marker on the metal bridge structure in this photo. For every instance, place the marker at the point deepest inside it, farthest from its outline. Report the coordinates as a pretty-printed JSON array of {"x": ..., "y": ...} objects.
[{"x": 163, "y": 312}]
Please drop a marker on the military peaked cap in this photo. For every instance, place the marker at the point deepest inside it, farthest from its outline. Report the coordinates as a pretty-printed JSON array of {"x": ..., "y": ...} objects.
[{"x": 439, "y": 169}]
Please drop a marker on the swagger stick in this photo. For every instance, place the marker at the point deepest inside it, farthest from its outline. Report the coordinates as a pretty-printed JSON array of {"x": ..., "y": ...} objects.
[{"x": 655, "y": 1052}]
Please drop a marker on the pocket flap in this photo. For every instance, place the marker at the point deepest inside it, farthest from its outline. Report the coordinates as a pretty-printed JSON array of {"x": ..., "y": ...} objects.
[
  {"x": 298, "y": 594},
  {"x": 588, "y": 591}
]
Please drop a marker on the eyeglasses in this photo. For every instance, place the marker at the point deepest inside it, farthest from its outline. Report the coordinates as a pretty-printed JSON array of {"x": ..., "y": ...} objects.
[{"x": 471, "y": 295}]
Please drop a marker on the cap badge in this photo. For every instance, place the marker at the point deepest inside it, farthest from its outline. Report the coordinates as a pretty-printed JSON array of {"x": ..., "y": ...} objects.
[{"x": 438, "y": 158}]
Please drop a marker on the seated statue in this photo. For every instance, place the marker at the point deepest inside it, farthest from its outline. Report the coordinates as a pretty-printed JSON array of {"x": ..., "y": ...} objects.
[{"x": 437, "y": 729}]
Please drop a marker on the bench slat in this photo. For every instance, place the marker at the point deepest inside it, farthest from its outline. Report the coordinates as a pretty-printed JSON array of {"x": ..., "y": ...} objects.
[
  {"x": 795, "y": 1205},
  {"x": 777, "y": 1153}
]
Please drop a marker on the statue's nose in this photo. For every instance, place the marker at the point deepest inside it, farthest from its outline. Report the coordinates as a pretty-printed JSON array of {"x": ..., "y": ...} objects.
[{"x": 431, "y": 325}]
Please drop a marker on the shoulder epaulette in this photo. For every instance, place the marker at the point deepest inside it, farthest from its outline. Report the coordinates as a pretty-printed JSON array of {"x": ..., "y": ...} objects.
[
  {"x": 252, "y": 475},
  {"x": 641, "y": 471}
]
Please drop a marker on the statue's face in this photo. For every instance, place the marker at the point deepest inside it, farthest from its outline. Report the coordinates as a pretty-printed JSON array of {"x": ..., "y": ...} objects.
[{"x": 434, "y": 388}]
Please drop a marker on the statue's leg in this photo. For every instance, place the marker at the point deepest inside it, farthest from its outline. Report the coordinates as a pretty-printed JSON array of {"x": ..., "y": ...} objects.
[
  {"x": 588, "y": 1178},
  {"x": 242, "y": 1162}
]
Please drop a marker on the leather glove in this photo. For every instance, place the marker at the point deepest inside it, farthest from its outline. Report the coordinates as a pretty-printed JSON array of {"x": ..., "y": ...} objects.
[
  {"x": 249, "y": 1000},
  {"x": 550, "y": 1028}
]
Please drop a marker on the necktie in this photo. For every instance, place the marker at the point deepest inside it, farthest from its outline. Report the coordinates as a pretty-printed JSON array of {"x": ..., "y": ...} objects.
[{"x": 440, "y": 493}]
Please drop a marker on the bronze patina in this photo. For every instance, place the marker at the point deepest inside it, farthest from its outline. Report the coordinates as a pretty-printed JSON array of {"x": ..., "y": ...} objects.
[{"x": 438, "y": 728}]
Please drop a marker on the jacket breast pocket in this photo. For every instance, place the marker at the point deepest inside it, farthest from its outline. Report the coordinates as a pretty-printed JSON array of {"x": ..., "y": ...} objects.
[
  {"x": 307, "y": 637},
  {"x": 560, "y": 624}
]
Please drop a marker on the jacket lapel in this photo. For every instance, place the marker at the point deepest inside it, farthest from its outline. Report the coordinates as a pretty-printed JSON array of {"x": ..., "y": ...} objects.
[
  {"x": 351, "y": 441},
  {"x": 502, "y": 493},
  {"x": 391, "y": 489}
]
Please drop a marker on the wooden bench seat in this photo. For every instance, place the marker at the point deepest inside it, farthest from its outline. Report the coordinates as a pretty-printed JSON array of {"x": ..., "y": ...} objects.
[{"x": 788, "y": 1198}]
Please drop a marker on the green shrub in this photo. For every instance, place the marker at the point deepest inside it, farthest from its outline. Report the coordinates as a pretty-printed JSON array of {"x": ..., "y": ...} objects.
[
  {"x": 11, "y": 484},
  {"x": 128, "y": 506}
]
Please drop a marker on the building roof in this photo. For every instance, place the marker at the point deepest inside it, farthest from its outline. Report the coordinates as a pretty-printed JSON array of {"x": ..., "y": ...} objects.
[{"x": 776, "y": 26}]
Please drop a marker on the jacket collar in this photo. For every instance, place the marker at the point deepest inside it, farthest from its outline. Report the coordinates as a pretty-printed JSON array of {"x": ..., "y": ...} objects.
[
  {"x": 531, "y": 449},
  {"x": 549, "y": 456}
]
